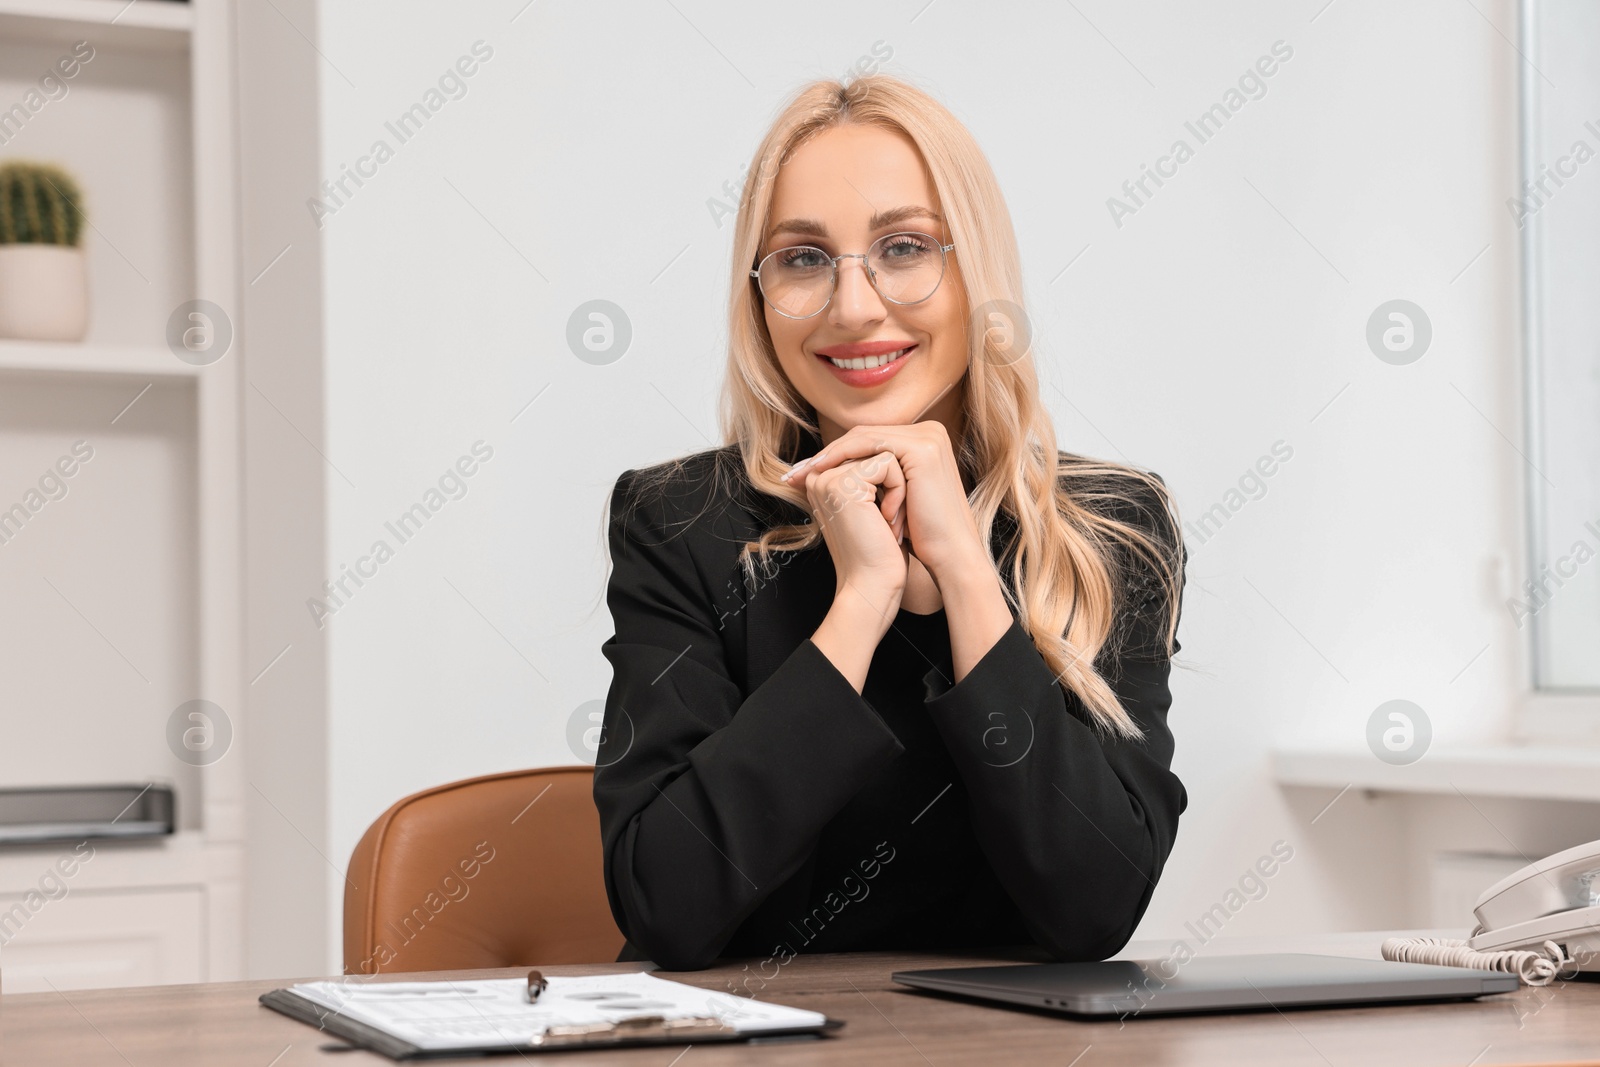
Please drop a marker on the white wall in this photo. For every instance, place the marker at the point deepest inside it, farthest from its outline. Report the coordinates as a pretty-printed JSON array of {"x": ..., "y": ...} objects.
[
  {"x": 288, "y": 859},
  {"x": 1222, "y": 317}
]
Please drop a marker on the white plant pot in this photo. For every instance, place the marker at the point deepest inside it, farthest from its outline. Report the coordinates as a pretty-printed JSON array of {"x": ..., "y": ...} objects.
[{"x": 44, "y": 293}]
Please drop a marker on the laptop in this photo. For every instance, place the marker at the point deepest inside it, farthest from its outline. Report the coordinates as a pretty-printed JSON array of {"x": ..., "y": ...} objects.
[{"x": 1123, "y": 988}]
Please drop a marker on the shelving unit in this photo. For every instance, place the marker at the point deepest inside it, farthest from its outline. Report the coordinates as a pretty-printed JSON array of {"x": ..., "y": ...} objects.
[
  {"x": 149, "y": 127},
  {"x": 157, "y": 24},
  {"x": 87, "y": 358}
]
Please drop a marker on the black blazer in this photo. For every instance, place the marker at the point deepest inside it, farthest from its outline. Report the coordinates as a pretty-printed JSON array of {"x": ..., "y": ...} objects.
[{"x": 730, "y": 740}]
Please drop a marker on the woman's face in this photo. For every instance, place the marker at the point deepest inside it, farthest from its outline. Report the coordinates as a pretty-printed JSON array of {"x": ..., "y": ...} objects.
[{"x": 841, "y": 191}]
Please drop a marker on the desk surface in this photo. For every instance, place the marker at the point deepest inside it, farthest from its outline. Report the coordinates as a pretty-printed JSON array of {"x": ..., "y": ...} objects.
[{"x": 221, "y": 1023}]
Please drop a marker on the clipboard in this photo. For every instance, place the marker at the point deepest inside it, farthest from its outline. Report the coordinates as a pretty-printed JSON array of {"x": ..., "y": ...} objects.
[{"x": 429, "y": 1020}]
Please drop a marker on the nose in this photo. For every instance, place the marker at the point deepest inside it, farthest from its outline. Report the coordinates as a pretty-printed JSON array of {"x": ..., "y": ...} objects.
[{"x": 855, "y": 302}]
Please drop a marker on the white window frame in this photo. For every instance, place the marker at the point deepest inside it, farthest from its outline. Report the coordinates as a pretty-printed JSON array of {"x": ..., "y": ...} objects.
[{"x": 1547, "y": 713}]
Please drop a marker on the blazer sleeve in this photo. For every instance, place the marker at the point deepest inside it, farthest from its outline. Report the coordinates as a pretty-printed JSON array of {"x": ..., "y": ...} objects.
[
  {"x": 709, "y": 799},
  {"x": 1077, "y": 823}
]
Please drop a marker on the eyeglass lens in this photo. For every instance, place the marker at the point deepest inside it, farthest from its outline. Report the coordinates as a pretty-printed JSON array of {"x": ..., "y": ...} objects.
[{"x": 905, "y": 268}]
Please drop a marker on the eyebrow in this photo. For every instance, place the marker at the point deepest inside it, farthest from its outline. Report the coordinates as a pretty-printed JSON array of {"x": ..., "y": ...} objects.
[{"x": 813, "y": 228}]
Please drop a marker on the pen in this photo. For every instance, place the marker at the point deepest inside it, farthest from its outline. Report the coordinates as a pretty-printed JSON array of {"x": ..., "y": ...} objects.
[{"x": 537, "y": 983}]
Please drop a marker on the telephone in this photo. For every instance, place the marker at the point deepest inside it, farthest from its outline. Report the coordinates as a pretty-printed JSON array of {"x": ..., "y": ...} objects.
[{"x": 1541, "y": 923}]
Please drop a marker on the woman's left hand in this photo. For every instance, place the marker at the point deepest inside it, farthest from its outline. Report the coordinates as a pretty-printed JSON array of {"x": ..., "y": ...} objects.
[{"x": 933, "y": 509}]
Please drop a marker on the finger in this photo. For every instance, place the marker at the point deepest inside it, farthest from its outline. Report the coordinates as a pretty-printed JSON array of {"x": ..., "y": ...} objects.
[
  {"x": 802, "y": 465},
  {"x": 796, "y": 475},
  {"x": 858, "y": 442},
  {"x": 875, "y": 475},
  {"x": 795, "y": 471},
  {"x": 895, "y": 493},
  {"x": 894, "y": 485}
]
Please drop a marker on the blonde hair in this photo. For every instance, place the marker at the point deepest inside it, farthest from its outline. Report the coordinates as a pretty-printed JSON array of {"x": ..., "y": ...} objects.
[{"x": 1073, "y": 564}]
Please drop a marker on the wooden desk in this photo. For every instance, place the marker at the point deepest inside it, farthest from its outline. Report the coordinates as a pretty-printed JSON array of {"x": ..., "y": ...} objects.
[{"x": 221, "y": 1024}]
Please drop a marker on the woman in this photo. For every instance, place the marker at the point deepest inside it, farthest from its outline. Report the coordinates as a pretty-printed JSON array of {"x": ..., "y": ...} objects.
[{"x": 889, "y": 670}]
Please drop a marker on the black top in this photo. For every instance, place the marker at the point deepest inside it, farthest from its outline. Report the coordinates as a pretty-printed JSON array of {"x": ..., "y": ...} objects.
[{"x": 753, "y": 804}]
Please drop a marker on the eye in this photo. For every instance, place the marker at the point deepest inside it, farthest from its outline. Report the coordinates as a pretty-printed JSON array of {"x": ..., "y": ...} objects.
[
  {"x": 904, "y": 246},
  {"x": 803, "y": 257}
]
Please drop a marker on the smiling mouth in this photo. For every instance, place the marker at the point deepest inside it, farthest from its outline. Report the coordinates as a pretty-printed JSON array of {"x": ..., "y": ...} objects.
[{"x": 868, "y": 362}]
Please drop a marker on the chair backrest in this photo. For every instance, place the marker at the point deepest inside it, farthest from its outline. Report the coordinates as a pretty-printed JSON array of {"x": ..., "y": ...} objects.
[{"x": 498, "y": 871}]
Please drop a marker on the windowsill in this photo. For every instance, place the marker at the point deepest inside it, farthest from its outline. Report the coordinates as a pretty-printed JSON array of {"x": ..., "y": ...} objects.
[{"x": 1537, "y": 772}]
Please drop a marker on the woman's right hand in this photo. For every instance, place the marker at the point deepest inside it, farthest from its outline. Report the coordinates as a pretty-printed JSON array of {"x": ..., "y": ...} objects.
[{"x": 863, "y": 534}]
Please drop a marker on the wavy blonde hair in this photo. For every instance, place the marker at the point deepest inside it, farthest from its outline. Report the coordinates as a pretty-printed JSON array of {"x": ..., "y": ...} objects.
[{"x": 1072, "y": 562}]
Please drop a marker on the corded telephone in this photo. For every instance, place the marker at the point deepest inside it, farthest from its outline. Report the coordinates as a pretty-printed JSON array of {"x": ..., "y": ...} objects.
[{"x": 1541, "y": 923}]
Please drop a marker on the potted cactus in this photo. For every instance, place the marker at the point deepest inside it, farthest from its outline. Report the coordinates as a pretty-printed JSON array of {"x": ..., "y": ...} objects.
[{"x": 44, "y": 286}]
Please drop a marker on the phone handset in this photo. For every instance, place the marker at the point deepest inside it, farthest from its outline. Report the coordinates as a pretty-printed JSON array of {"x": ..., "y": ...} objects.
[{"x": 1538, "y": 923}]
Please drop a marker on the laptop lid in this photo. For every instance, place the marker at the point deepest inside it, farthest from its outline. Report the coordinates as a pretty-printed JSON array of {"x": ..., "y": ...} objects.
[{"x": 1216, "y": 983}]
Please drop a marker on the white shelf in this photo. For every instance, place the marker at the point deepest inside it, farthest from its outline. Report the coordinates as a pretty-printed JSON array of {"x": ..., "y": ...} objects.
[
  {"x": 1529, "y": 772},
  {"x": 162, "y": 24},
  {"x": 123, "y": 361}
]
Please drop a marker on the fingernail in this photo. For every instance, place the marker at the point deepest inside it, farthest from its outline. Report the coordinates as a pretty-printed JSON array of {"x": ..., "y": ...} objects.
[{"x": 795, "y": 469}]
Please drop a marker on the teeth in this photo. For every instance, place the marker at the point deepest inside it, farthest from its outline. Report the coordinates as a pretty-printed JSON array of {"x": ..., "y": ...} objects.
[{"x": 867, "y": 362}]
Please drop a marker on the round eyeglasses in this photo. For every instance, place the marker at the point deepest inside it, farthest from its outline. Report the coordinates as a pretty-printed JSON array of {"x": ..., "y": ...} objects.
[{"x": 799, "y": 281}]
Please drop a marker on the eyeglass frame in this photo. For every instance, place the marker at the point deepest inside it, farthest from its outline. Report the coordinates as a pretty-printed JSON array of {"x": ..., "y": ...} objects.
[{"x": 833, "y": 267}]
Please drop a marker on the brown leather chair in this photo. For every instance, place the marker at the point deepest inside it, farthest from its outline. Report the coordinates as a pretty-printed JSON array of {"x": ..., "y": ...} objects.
[{"x": 498, "y": 871}]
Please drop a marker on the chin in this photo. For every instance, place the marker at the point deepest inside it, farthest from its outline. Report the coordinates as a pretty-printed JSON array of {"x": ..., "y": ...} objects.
[{"x": 884, "y": 411}]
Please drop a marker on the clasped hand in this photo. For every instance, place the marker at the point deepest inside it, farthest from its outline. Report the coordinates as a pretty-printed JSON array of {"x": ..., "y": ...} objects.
[{"x": 882, "y": 494}]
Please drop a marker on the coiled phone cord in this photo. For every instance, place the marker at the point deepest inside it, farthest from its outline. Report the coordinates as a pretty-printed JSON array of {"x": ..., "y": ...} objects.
[{"x": 1536, "y": 967}]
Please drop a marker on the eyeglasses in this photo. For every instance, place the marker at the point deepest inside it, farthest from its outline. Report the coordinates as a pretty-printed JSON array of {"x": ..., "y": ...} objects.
[{"x": 799, "y": 281}]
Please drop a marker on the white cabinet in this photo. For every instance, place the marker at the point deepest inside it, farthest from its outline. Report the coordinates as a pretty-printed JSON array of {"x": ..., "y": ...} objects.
[
  {"x": 90, "y": 940},
  {"x": 119, "y": 914}
]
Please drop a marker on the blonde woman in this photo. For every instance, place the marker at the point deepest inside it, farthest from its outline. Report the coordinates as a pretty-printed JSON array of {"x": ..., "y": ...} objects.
[{"x": 890, "y": 671}]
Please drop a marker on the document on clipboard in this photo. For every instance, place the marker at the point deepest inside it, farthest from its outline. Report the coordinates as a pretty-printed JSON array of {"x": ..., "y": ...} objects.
[{"x": 420, "y": 1020}]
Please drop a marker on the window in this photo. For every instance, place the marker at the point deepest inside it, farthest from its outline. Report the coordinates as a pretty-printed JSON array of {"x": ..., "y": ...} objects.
[{"x": 1557, "y": 214}]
